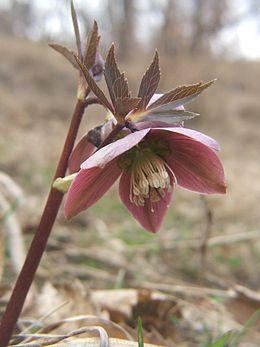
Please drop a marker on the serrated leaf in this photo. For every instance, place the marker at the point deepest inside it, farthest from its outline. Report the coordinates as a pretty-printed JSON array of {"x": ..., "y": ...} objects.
[
  {"x": 76, "y": 28},
  {"x": 93, "y": 86},
  {"x": 67, "y": 53},
  {"x": 181, "y": 95},
  {"x": 149, "y": 82},
  {"x": 111, "y": 72},
  {"x": 124, "y": 105},
  {"x": 120, "y": 87},
  {"x": 92, "y": 46}
]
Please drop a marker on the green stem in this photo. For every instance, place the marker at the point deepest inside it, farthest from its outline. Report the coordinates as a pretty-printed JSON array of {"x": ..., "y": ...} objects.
[{"x": 34, "y": 255}]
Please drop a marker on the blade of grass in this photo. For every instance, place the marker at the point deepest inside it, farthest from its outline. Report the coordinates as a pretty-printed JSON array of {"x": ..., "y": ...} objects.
[{"x": 140, "y": 333}]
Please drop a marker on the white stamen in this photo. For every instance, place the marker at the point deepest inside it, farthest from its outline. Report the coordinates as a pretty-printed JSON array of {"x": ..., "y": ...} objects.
[{"x": 149, "y": 179}]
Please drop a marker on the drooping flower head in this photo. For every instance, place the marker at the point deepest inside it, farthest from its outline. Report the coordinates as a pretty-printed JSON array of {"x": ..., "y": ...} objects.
[
  {"x": 152, "y": 152},
  {"x": 150, "y": 163}
]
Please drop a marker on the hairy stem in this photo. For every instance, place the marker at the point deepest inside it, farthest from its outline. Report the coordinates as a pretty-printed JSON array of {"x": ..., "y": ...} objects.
[{"x": 26, "y": 276}]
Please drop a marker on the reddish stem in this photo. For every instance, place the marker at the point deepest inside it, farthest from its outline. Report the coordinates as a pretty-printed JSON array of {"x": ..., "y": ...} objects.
[{"x": 25, "y": 279}]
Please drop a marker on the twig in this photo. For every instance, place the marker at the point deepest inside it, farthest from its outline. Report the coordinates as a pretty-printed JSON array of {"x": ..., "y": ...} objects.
[
  {"x": 188, "y": 290},
  {"x": 207, "y": 233},
  {"x": 51, "y": 339}
]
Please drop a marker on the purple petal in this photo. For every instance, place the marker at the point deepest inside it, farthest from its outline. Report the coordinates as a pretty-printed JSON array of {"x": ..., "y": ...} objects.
[
  {"x": 89, "y": 186},
  {"x": 80, "y": 153},
  {"x": 195, "y": 165},
  {"x": 151, "y": 215},
  {"x": 113, "y": 150}
]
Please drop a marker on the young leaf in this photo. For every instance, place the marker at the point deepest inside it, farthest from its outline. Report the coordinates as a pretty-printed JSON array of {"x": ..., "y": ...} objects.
[
  {"x": 181, "y": 95},
  {"x": 170, "y": 117},
  {"x": 120, "y": 87},
  {"x": 68, "y": 54},
  {"x": 111, "y": 72},
  {"x": 92, "y": 45},
  {"x": 124, "y": 105},
  {"x": 149, "y": 82},
  {"x": 140, "y": 333},
  {"x": 93, "y": 86},
  {"x": 76, "y": 28}
]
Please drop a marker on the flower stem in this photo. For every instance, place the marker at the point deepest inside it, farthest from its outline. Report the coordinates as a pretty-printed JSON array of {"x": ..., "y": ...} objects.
[
  {"x": 111, "y": 136},
  {"x": 26, "y": 276}
]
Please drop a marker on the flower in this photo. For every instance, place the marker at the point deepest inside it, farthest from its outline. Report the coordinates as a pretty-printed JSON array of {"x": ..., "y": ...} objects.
[{"x": 150, "y": 163}]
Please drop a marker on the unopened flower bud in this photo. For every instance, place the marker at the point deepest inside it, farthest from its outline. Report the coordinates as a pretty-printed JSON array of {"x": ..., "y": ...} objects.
[{"x": 63, "y": 184}]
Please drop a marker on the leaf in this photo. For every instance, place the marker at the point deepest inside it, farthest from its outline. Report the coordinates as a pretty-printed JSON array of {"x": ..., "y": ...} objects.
[
  {"x": 181, "y": 95},
  {"x": 124, "y": 105},
  {"x": 170, "y": 117},
  {"x": 149, "y": 82},
  {"x": 120, "y": 87},
  {"x": 222, "y": 341},
  {"x": 236, "y": 337},
  {"x": 93, "y": 86},
  {"x": 76, "y": 28},
  {"x": 111, "y": 72},
  {"x": 91, "y": 48},
  {"x": 140, "y": 333},
  {"x": 68, "y": 54}
]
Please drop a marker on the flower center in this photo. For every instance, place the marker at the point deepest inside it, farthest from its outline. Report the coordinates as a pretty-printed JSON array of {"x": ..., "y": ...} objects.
[{"x": 149, "y": 177}]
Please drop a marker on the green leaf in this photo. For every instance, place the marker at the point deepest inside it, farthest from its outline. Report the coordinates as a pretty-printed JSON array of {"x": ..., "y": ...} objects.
[
  {"x": 149, "y": 82},
  {"x": 140, "y": 333},
  {"x": 68, "y": 54},
  {"x": 181, "y": 95},
  {"x": 92, "y": 46},
  {"x": 93, "y": 86},
  {"x": 111, "y": 73},
  {"x": 124, "y": 105},
  {"x": 76, "y": 28},
  {"x": 221, "y": 342},
  {"x": 248, "y": 324}
]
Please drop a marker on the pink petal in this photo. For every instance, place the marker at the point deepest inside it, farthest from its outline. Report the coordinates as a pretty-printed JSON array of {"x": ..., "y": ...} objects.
[
  {"x": 195, "y": 165},
  {"x": 193, "y": 134},
  {"x": 89, "y": 186},
  {"x": 80, "y": 153},
  {"x": 113, "y": 150},
  {"x": 150, "y": 220}
]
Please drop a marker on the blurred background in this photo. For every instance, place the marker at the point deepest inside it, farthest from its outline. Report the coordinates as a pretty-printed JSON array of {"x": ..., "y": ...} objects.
[{"x": 212, "y": 241}]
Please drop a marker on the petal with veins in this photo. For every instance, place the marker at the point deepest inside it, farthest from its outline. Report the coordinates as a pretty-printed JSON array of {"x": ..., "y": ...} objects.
[
  {"x": 188, "y": 133},
  {"x": 89, "y": 186},
  {"x": 80, "y": 153},
  {"x": 151, "y": 215},
  {"x": 196, "y": 166},
  {"x": 114, "y": 149}
]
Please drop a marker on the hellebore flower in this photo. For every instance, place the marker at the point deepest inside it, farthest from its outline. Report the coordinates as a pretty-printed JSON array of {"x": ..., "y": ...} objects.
[{"x": 150, "y": 163}]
